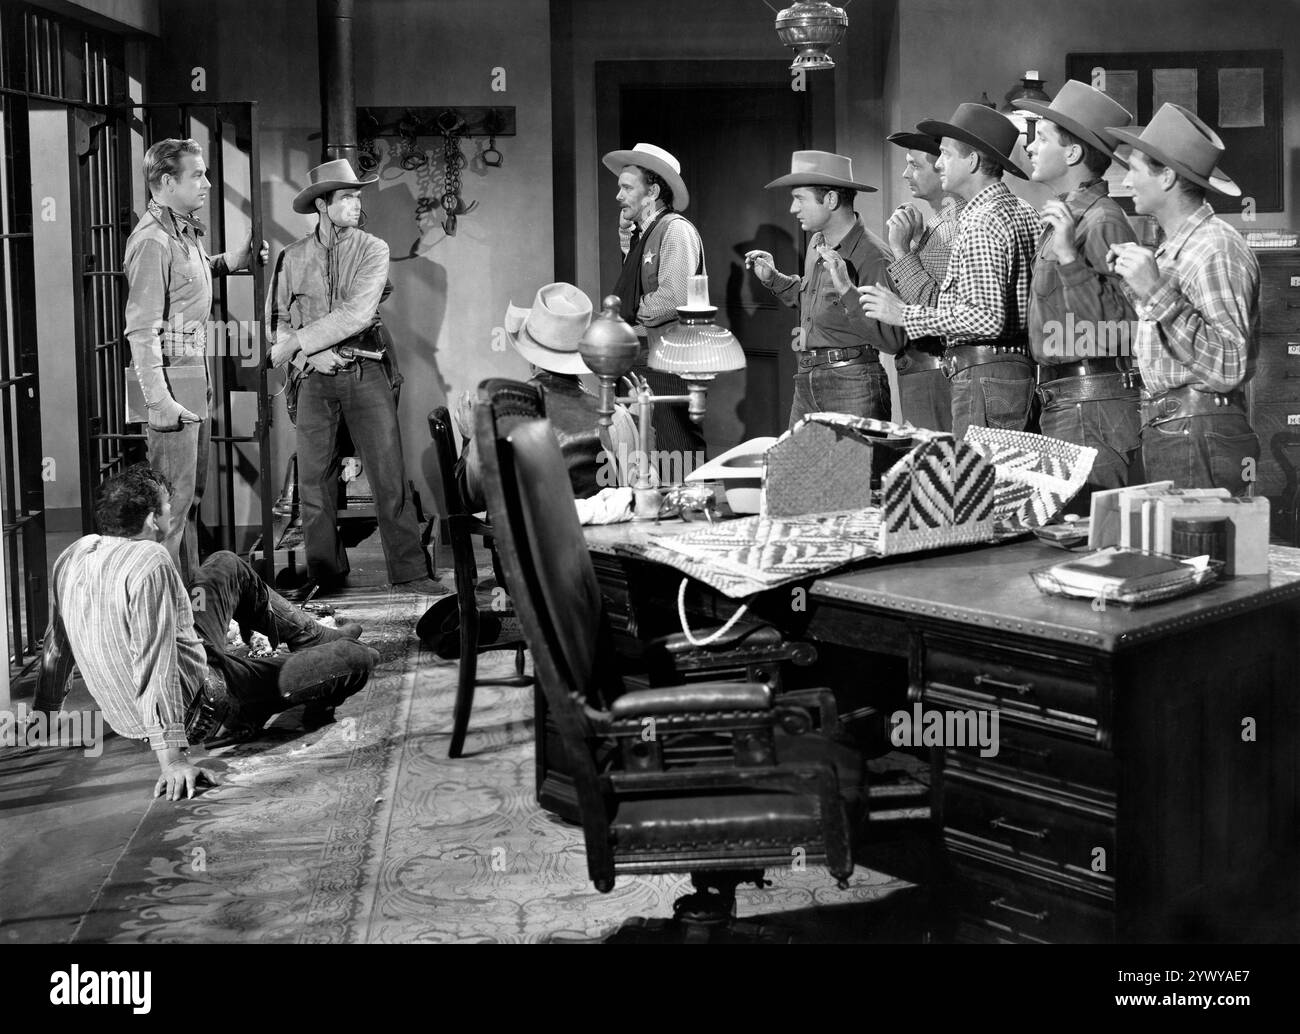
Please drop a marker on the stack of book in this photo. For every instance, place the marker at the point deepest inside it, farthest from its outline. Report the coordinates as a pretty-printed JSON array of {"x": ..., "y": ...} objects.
[{"x": 1142, "y": 516}]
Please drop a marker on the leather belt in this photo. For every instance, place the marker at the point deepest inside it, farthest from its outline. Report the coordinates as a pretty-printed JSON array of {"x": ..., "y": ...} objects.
[
  {"x": 912, "y": 360},
  {"x": 1084, "y": 368},
  {"x": 1092, "y": 388},
  {"x": 837, "y": 357},
  {"x": 1186, "y": 401},
  {"x": 962, "y": 357}
]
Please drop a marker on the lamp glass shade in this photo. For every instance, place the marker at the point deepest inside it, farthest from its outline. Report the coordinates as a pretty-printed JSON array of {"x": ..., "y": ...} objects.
[{"x": 697, "y": 346}]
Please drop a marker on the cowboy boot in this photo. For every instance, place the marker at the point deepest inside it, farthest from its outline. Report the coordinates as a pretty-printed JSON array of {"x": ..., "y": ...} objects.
[
  {"x": 299, "y": 629},
  {"x": 326, "y": 675}
]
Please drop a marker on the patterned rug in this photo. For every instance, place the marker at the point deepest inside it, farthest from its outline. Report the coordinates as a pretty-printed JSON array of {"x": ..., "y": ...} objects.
[{"x": 365, "y": 832}]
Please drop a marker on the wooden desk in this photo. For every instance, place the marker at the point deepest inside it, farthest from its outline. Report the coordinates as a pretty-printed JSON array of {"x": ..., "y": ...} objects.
[{"x": 1146, "y": 785}]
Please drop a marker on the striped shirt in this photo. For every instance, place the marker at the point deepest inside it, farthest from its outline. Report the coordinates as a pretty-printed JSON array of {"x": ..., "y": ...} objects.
[
  {"x": 121, "y": 607},
  {"x": 985, "y": 294},
  {"x": 1201, "y": 325},
  {"x": 918, "y": 276}
]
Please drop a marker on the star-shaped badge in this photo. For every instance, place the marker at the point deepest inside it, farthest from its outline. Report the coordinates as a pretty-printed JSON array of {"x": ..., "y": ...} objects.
[{"x": 649, "y": 258}]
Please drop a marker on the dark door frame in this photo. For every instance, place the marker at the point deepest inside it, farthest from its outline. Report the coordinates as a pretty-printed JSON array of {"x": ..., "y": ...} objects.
[{"x": 613, "y": 77}]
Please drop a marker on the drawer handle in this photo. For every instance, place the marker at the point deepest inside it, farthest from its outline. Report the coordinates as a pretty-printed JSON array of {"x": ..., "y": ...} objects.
[
  {"x": 1021, "y": 688},
  {"x": 1001, "y": 823},
  {"x": 1037, "y": 917}
]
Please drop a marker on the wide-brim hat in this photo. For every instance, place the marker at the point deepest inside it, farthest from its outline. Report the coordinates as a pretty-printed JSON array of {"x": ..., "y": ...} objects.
[
  {"x": 915, "y": 142},
  {"x": 658, "y": 161},
  {"x": 547, "y": 335},
  {"x": 819, "y": 169},
  {"x": 335, "y": 175},
  {"x": 1085, "y": 112},
  {"x": 982, "y": 128},
  {"x": 1177, "y": 138}
]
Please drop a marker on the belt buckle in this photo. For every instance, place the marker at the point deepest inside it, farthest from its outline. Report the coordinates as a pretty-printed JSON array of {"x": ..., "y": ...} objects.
[
  {"x": 834, "y": 355},
  {"x": 948, "y": 364}
]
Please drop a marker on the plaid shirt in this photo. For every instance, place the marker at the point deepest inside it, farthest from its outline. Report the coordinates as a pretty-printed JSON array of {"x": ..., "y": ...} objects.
[
  {"x": 1201, "y": 325},
  {"x": 918, "y": 276},
  {"x": 985, "y": 295}
]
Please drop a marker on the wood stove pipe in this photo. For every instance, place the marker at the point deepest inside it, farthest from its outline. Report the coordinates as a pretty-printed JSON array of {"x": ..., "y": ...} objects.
[{"x": 338, "y": 101}]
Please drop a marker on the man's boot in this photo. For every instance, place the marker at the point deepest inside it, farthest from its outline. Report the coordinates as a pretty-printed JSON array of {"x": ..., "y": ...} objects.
[
  {"x": 299, "y": 629},
  {"x": 325, "y": 676}
]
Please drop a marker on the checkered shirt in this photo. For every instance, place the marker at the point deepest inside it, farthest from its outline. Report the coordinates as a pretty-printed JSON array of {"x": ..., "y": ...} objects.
[{"x": 985, "y": 295}]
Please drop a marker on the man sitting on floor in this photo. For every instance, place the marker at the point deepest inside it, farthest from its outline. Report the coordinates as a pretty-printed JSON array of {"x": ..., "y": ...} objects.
[{"x": 154, "y": 656}]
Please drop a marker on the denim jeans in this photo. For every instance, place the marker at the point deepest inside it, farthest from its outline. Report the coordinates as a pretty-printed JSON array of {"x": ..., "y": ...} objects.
[
  {"x": 363, "y": 395},
  {"x": 183, "y": 456},
  {"x": 859, "y": 390},
  {"x": 1111, "y": 426},
  {"x": 926, "y": 398},
  {"x": 992, "y": 395},
  {"x": 1208, "y": 451},
  {"x": 225, "y": 588}
]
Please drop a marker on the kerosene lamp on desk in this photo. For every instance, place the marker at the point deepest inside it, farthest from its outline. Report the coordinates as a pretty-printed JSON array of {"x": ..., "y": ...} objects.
[{"x": 697, "y": 350}]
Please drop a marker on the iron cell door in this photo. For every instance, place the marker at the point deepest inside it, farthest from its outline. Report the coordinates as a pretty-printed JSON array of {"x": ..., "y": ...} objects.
[{"x": 240, "y": 411}]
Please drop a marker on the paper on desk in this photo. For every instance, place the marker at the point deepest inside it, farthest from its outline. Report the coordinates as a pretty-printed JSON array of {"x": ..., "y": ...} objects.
[{"x": 608, "y": 506}]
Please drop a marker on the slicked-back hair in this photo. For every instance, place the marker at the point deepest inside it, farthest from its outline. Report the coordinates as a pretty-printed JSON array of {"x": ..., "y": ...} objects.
[
  {"x": 989, "y": 166},
  {"x": 1095, "y": 160},
  {"x": 126, "y": 499},
  {"x": 164, "y": 159},
  {"x": 846, "y": 195},
  {"x": 651, "y": 179}
]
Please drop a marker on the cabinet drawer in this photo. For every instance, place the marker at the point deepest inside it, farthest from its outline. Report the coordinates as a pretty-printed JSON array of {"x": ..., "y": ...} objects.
[
  {"x": 1277, "y": 371},
  {"x": 1279, "y": 302},
  {"x": 994, "y": 904},
  {"x": 1051, "y": 694},
  {"x": 1064, "y": 766},
  {"x": 1024, "y": 822}
]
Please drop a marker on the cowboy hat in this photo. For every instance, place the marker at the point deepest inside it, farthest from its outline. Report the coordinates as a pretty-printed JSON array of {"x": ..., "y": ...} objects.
[
  {"x": 658, "y": 161},
  {"x": 982, "y": 128},
  {"x": 915, "y": 142},
  {"x": 547, "y": 335},
  {"x": 1085, "y": 112},
  {"x": 334, "y": 175},
  {"x": 819, "y": 169},
  {"x": 1177, "y": 138}
]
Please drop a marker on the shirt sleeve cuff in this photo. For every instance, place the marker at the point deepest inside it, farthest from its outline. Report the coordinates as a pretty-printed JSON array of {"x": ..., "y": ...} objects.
[
  {"x": 1161, "y": 302},
  {"x": 1075, "y": 273},
  {"x": 172, "y": 734},
  {"x": 916, "y": 321},
  {"x": 901, "y": 269}
]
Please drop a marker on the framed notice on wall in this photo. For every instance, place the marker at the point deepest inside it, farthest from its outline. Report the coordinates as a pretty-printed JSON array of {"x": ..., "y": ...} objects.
[{"x": 1237, "y": 92}]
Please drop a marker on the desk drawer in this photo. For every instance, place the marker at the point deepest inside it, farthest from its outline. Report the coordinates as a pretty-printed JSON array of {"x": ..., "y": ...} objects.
[
  {"x": 1050, "y": 694},
  {"x": 1021, "y": 822},
  {"x": 1061, "y": 765},
  {"x": 995, "y": 904}
]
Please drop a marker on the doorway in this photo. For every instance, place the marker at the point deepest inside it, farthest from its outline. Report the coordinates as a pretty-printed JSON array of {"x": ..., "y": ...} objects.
[{"x": 732, "y": 125}]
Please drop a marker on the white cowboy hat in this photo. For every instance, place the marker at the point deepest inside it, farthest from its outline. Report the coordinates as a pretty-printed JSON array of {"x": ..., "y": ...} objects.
[
  {"x": 547, "y": 335},
  {"x": 334, "y": 175},
  {"x": 658, "y": 161}
]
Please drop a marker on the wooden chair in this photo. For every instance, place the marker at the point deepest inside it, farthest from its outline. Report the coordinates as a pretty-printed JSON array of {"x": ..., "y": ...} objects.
[
  {"x": 462, "y": 526},
  {"x": 719, "y": 779}
]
